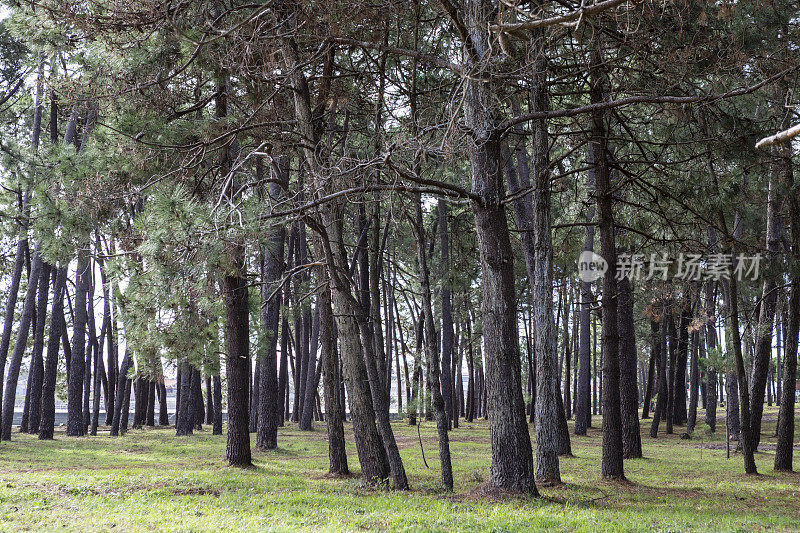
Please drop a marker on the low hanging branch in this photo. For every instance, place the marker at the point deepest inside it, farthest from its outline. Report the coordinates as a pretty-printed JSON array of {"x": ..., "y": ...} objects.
[{"x": 779, "y": 137}]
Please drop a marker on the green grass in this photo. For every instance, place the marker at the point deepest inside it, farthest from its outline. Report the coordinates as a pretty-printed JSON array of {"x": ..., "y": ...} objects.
[{"x": 152, "y": 480}]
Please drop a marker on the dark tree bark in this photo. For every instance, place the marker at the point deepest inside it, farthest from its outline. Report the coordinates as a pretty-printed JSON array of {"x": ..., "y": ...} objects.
[
  {"x": 769, "y": 300},
  {"x": 786, "y": 413},
  {"x": 270, "y": 404},
  {"x": 198, "y": 410},
  {"x": 119, "y": 400},
  {"x": 694, "y": 390},
  {"x": 48, "y": 400},
  {"x": 310, "y": 389},
  {"x": 184, "y": 423},
  {"x": 439, "y": 407},
  {"x": 237, "y": 327},
  {"x": 36, "y": 373},
  {"x": 26, "y": 319},
  {"x": 369, "y": 445},
  {"x": 75, "y": 422},
  {"x": 741, "y": 374},
  {"x": 629, "y": 393},
  {"x": 612, "y": 419},
  {"x": 447, "y": 315},
  {"x": 679, "y": 383},
  {"x": 659, "y": 342},
  {"x": 334, "y": 413},
  {"x": 126, "y": 404},
  {"x": 512, "y": 458},
  {"x": 582, "y": 409},
  {"x": 711, "y": 343}
]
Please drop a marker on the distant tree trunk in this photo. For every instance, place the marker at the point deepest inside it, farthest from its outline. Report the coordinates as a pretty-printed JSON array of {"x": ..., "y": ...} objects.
[
  {"x": 119, "y": 400},
  {"x": 659, "y": 344},
  {"x": 198, "y": 411},
  {"x": 48, "y": 401},
  {"x": 310, "y": 389},
  {"x": 694, "y": 384},
  {"x": 163, "y": 412},
  {"x": 711, "y": 343},
  {"x": 126, "y": 404},
  {"x": 648, "y": 391},
  {"x": 184, "y": 423}
]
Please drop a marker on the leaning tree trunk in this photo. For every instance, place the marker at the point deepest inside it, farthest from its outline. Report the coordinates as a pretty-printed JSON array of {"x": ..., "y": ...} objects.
[
  {"x": 28, "y": 310},
  {"x": 741, "y": 374},
  {"x": 371, "y": 453}
]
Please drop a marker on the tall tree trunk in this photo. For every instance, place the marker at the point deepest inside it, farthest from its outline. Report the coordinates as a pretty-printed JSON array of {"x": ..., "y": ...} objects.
[
  {"x": 658, "y": 335},
  {"x": 711, "y": 343},
  {"x": 612, "y": 419},
  {"x": 786, "y": 412},
  {"x": 442, "y": 421},
  {"x": 48, "y": 400},
  {"x": 512, "y": 458},
  {"x": 371, "y": 453},
  {"x": 447, "y": 315},
  {"x": 75, "y": 422},
  {"x": 270, "y": 405},
  {"x": 36, "y": 373},
  {"x": 629, "y": 393},
  {"x": 237, "y": 315},
  {"x": 334, "y": 413},
  {"x": 763, "y": 355}
]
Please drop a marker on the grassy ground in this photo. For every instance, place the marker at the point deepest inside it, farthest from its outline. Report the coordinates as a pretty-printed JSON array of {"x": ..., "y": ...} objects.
[{"x": 151, "y": 480}]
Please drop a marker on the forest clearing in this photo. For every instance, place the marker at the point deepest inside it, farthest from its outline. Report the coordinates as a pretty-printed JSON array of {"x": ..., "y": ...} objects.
[{"x": 152, "y": 482}]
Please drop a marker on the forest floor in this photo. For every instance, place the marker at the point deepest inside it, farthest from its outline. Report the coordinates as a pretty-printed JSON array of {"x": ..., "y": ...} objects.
[{"x": 151, "y": 480}]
